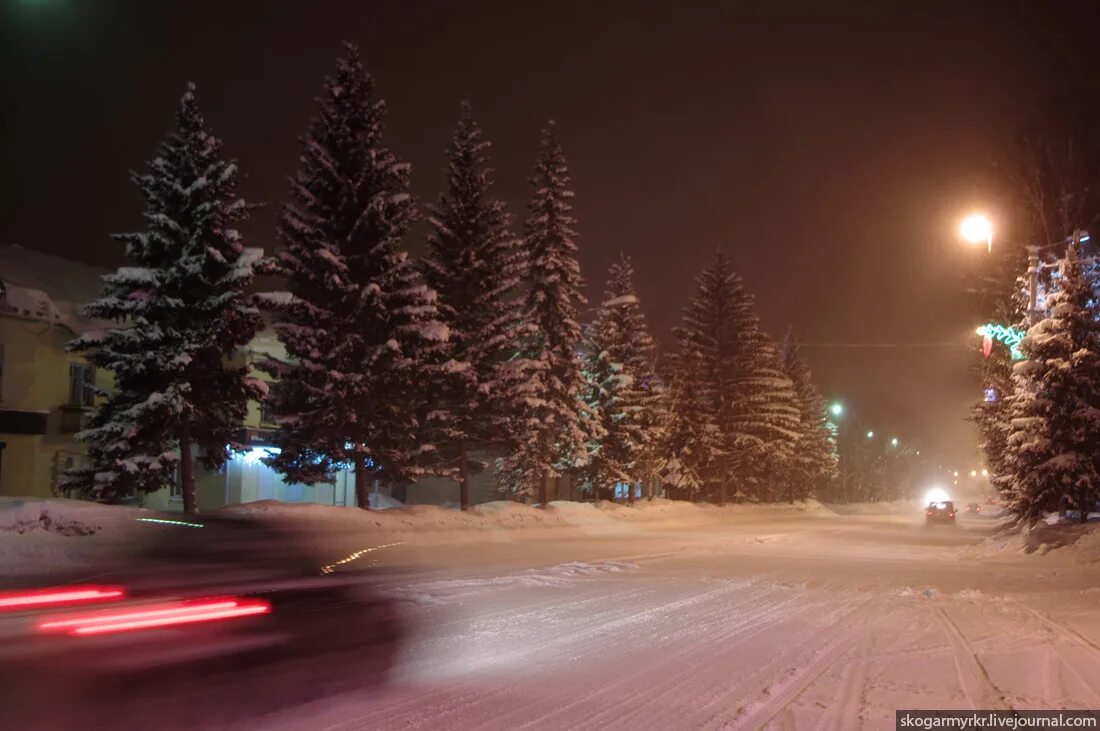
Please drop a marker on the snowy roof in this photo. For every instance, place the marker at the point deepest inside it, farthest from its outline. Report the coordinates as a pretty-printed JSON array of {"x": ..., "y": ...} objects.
[{"x": 47, "y": 288}]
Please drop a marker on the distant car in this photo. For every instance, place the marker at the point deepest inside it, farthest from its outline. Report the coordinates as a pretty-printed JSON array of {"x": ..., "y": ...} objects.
[
  {"x": 973, "y": 508},
  {"x": 940, "y": 512}
]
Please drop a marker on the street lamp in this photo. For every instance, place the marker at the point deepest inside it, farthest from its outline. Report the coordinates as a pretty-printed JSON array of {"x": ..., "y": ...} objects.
[
  {"x": 870, "y": 435},
  {"x": 985, "y": 473},
  {"x": 894, "y": 442},
  {"x": 977, "y": 229},
  {"x": 837, "y": 409},
  {"x": 973, "y": 473}
]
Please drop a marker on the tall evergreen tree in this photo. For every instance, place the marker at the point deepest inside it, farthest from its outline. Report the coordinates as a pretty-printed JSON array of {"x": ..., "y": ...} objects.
[
  {"x": 1055, "y": 409},
  {"x": 622, "y": 389},
  {"x": 741, "y": 386},
  {"x": 474, "y": 263},
  {"x": 182, "y": 312},
  {"x": 359, "y": 324},
  {"x": 814, "y": 459},
  {"x": 554, "y": 427},
  {"x": 690, "y": 435}
]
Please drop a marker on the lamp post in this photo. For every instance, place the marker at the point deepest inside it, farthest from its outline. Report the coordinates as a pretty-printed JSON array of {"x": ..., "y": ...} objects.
[{"x": 977, "y": 228}]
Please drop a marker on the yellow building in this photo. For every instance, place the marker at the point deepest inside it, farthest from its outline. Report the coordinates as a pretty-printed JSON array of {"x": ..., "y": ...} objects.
[
  {"x": 44, "y": 398},
  {"x": 44, "y": 391}
]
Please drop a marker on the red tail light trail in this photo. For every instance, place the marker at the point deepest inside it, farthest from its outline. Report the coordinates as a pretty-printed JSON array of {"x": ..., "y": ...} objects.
[
  {"x": 58, "y": 597},
  {"x": 158, "y": 616}
]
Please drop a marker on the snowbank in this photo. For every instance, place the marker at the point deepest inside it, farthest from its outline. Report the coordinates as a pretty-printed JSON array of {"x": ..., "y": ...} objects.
[
  {"x": 1068, "y": 539},
  {"x": 60, "y": 517}
]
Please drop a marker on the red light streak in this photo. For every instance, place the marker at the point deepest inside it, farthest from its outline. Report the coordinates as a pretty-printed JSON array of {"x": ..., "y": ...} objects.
[
  {"x": 162, "y": 616},
  {"x": 53, "y": 597}
]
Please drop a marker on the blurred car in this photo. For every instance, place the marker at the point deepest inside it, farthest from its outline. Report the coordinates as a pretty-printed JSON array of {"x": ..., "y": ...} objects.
[
  {"x": 940, "y": 512},
  {"x": 200, "y": 601},
  {"x": 973, "y": 508}
]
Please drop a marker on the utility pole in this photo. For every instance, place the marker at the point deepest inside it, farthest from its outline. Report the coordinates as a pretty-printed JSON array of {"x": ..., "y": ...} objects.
[{"x": 1032, "y": 284}]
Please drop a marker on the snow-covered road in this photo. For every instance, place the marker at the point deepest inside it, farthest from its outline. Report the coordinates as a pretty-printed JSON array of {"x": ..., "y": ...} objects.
[{"x": 798, "y": 621}]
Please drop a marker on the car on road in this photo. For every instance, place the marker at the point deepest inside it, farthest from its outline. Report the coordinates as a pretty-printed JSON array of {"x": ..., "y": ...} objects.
[
  {"x": 206, "y": 603},
  {"x": 942, "y": 511},
  {"x": 973, "y": 508}
]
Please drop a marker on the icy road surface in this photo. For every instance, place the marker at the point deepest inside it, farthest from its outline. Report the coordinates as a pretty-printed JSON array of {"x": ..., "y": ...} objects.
[{"x": 788, "y": 622}]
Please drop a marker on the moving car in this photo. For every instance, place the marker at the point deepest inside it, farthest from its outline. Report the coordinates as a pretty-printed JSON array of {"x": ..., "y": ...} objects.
[
  {"x": 204, "y": 605},
  {"x": 940, "y": 512},
  {"x": 973, "y": 508}
]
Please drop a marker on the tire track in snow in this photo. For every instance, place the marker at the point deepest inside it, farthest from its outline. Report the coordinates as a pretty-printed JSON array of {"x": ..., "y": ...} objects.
[
  {"x": 709, "y": 679},
  {"x": 458, "y": 697},
  {"x": 802, "y": 679},
  {"x": 979, "y": 690},
  {"x": 1073, "y": 637},
  {"x": 741, "y": 630},
  {"x": 844, "y": 713}
]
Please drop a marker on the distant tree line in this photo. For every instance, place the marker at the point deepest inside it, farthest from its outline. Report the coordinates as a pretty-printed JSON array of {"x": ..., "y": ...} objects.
[{"x": 471, "y": 358}]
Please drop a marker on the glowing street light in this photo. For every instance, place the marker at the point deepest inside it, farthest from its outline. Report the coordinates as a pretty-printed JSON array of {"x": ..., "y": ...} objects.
[
  {"x": 985, "y": 473},
  {"x": 870, "y": 435},
  {"x": 977, "y": 229},
  {"x": 837, "y": 409},
  {"x": 956, "y": 473},
  {"x": 973, "y": 473},
  {"x": 894, "y": 442}
]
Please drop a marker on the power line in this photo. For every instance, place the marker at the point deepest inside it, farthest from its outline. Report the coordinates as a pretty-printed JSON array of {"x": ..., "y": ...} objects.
[{"x": 948, "y": 344}]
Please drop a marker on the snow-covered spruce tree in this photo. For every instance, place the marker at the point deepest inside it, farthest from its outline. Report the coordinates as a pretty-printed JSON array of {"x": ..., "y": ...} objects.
[
  {"x": 474, "y": 263},
  {"x": 359, "y": 324},
  {"x": 991, "y": 418},
  {"x": 690, "y": 435},
  {"x": 1055, "y": 410},
  {"x": 813, "y": 462},
  {"x": 182, "y": 311},
  {"x": 741, "y": 384},
  {"x": 553, "y": 426},
  {"x": 621, "y": 386}
]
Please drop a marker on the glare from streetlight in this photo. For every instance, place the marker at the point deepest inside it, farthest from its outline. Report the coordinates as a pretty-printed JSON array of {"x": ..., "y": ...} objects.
[
  {"x": 956, "y": 473},
  {"x": 870, "y": 435},
  {"x": 977, "y": 229},
  {"x": 985, "y": 473},
  {"x": 973, "y": 473},
  {"x": 894, "y": 442},
  {"x": 837, "y": 409}
]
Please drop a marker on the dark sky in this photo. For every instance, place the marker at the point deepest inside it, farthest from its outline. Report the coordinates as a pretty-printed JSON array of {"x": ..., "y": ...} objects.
[{"x": 829, "y": 154}]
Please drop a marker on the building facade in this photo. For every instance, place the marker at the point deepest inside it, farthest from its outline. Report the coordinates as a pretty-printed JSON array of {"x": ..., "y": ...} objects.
[{"x": 46, "y": 392}]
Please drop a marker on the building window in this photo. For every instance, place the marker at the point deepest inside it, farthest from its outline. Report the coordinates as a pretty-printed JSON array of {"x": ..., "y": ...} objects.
[
  {"x": 267, "y": 407},
  {"x": 175, "y": 490},
  {"x": 81, "y": 381}
]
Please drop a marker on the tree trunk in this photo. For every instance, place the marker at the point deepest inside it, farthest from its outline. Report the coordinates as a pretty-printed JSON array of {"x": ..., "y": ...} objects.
[
  {"x": 543, "y": 486},
  {"x": 1082, "y": 505},
  {"x": 630, "y": 493},
  {"x": 187, "y": 469},
  {"x": 649, "y": 488},
  {"x": 463, "y": 477},
  {"x": 362, "y": 481},
  {"x": 722, "y": 492}
]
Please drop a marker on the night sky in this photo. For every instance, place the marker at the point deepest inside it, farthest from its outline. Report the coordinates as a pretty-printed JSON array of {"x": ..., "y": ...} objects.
[{"x": 829, "y": 155}]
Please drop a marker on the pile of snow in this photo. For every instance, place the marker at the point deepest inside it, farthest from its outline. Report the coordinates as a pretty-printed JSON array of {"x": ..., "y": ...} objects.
[
  {"x": 1068, "y": 538},
  {"x": 60, "y": 517}
]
